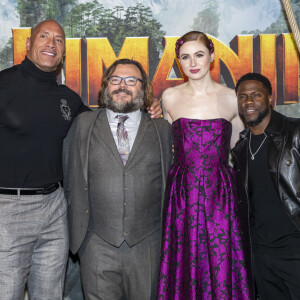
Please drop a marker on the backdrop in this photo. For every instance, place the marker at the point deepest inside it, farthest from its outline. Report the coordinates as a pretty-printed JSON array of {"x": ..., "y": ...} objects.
[{"x": 249, "y": 35}]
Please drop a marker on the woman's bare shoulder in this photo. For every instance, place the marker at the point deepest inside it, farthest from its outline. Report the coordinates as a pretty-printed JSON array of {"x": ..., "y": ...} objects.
[
  {"x": 226, "y": 93},
  {"x": 172, "y": 92},
  {"x": 225, "y": 90}
]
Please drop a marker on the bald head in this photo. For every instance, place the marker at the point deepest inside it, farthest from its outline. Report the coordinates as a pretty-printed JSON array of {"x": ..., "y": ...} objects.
[
  {"x": 40, "y": 25},
  {"x": 46, "y": 46}
]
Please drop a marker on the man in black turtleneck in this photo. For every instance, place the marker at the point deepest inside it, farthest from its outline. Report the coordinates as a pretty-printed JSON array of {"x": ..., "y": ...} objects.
[{"x": 35, "y": 116}]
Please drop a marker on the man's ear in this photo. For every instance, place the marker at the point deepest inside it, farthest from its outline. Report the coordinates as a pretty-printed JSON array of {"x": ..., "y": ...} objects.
[
  {"x": 28, "y": 43},
  {"x": 270, "y": 99}
]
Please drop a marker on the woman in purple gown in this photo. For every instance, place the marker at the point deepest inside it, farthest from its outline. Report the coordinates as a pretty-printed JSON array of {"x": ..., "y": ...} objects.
[{"x": 204, "y": 251}]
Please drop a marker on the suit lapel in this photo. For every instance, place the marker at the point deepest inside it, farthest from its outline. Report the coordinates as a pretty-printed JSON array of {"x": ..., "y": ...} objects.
[
  {"x": 144, "y": 124},
  {"x": 275, "y": 149},
  {"x": 106, "y": 135},
  {"x": 85, "y": 141},
  {"x": 162, "y": 165}
]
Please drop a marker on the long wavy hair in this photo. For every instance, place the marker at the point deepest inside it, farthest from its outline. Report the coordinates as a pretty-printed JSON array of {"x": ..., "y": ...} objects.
[{"x": 146, "y": 85}]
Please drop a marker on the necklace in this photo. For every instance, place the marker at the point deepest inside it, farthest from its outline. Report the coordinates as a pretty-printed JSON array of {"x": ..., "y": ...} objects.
[{"x": 253, "y": 154}]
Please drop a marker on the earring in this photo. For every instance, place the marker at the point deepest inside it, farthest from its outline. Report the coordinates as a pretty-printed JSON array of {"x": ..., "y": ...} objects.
[{"x": 211, "y": 60}]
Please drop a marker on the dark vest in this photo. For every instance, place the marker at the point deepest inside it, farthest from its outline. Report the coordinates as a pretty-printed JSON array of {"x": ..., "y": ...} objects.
[{"x": 125, "y": 201}]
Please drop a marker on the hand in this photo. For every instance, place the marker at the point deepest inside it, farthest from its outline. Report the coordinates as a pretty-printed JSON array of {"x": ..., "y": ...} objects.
[{"x": 155, "y": 110}]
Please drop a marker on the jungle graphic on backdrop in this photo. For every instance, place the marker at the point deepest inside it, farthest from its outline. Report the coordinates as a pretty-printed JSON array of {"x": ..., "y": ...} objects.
[{"x": 98, "y": 33}]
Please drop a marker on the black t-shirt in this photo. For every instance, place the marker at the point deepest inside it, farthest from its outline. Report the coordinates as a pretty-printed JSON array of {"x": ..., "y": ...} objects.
[
  {"x": 35, "y": 116},
  {"x": 272, "y": 230}
]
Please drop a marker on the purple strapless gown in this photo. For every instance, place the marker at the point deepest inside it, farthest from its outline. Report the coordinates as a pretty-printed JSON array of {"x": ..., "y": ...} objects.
[{"x": 202, "y": 255}]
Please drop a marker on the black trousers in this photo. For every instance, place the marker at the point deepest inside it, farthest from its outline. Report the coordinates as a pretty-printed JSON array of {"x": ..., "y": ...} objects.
[{"x": 277, "y": 277}]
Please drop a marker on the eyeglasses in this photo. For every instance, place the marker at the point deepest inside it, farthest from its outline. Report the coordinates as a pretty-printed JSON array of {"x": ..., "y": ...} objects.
[{"x": 131, "y": 81}]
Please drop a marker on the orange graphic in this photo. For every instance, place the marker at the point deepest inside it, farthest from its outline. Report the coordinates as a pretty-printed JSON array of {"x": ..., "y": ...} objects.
[
  {"x": 20, "y": 36},
  {"x": 161, "y": 79},
  {"x": 73, "y": 65},
  {"x": 264, "y": 58},
  {"x": 232, "y": 62},
  {"x": 287, "y": 69},
  {"x": 274, "y": 56},
  {"x": 100, "y": 54}
]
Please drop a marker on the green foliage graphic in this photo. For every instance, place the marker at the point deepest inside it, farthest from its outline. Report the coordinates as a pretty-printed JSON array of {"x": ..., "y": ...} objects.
[
  {"x": 281, "y": 24},
  {"x": 208, "y": 19},
  {"x": 92, "y": 19},
  {"x": 6, "y": 55},
  {"x": 33, "y": 12}
]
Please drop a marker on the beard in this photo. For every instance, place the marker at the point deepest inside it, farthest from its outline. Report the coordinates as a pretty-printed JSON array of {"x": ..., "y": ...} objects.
[
  {"x": 258, "y": 120},
  {"x": 136, "y": 102}
]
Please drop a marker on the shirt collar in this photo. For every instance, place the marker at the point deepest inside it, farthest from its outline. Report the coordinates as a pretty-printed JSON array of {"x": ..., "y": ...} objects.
[
  {"x": 134, "y": 116},
  {"x": 275, "y": 126},
  {"x": 37, "y": 73}
]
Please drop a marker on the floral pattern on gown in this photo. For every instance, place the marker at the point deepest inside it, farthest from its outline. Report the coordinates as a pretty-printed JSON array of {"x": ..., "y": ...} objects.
[{"x": 202, "y": 254}]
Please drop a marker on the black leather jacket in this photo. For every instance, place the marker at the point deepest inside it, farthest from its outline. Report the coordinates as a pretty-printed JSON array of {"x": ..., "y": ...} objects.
[{"x": 283, "y": 161}]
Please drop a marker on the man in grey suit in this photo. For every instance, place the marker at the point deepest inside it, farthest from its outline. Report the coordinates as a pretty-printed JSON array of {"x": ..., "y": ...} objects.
[{"x": 115, "y": 175}]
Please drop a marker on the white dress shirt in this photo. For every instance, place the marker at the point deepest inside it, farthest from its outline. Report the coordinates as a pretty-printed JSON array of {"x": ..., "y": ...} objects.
[{"x": 131, "y": 124}]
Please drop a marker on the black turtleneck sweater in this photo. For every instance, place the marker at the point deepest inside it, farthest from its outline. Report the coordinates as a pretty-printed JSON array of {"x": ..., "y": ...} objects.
[{"x": 35, "y": 116}]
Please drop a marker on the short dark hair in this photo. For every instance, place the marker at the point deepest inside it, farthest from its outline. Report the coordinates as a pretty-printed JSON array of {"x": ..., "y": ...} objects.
[
  {"x": 146, "y": 85},
  {"x": 258, "y": 77}
]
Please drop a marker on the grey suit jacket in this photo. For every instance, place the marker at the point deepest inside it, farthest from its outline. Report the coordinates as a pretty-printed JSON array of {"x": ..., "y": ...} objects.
[{"x": 75, "y": 163}]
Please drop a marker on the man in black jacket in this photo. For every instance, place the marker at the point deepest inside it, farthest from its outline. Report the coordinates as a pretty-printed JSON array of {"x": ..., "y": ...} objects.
[{"x": 268, "y": 165}]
